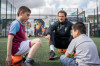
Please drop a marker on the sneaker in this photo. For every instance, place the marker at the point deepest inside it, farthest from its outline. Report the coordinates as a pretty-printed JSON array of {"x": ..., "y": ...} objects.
[
  {"x": 52, "y": 55},
  {"x": 28, "y": 63}
]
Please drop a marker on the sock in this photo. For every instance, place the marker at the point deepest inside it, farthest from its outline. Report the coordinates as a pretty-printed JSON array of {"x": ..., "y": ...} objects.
[
  {"x": 28, "y": 60},
  {"x": 51, "y": 47}
]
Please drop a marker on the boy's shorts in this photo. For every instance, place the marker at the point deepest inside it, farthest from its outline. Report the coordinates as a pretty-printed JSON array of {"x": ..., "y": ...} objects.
[{"x": 24, "y": 47}]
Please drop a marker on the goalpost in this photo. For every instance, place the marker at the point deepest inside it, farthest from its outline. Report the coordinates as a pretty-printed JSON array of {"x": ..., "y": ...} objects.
[{"x": 87, "y": 28}]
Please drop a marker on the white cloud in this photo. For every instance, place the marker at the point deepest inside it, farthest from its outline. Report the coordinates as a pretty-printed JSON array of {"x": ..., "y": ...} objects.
[
  {"x": 68, "y": 3},
  {"x": 28, "y": 3},
  {"x": 56, "y": 5},
  {"x": 53, "y": 6},
  {"x": 91, "y": 5}
]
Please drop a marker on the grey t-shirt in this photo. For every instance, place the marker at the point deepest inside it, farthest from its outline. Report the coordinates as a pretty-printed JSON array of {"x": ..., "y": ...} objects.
[{"x": 86, "y": 50}]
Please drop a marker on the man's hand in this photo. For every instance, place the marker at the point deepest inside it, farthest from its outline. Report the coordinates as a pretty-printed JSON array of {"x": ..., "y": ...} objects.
[
  {"x": 8, "y": 60},
  {"x": 47, "y": 37},
  {"x": 41, "y": 35}
]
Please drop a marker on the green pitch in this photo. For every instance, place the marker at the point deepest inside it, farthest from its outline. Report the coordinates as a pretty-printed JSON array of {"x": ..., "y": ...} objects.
[{"x": 41, "y": 57}]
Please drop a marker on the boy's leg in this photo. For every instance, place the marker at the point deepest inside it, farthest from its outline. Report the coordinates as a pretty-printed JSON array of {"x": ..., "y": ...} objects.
[
  {"x": 24, "y": 49},
  {"x": 35, "y": 45},
  {"x": 67, "y": 61},
  {"x": 51, "y": 43}
]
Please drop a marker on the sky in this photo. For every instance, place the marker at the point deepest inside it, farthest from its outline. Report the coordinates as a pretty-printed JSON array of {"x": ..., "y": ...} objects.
[
  {"x": 52, "y": 6},
  {"x": 55, "y": 3}
]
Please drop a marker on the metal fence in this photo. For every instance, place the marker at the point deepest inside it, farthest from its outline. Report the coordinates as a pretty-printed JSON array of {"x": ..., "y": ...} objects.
[{"x": 8, "y": 14}]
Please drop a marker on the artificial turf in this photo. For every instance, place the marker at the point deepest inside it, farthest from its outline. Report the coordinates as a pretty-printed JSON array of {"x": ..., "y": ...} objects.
[{"x": 42, "y": 55}]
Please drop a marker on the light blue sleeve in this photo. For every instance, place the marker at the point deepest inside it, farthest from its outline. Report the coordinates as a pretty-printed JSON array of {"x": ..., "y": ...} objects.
[{"x": 14, "y": 28}]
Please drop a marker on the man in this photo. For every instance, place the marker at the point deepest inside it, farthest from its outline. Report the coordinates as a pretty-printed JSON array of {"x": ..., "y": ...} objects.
[{"x": 59, "y": 34}]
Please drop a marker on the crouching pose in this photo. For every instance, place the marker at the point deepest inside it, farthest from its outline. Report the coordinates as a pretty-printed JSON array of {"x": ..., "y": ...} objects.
[{"x": 59, "y": 34}]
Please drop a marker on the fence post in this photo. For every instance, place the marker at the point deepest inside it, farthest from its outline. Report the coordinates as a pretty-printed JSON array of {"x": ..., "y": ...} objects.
[
  {"x": 77, "y": 14},
  {"x": 6, "y": 19},
  {"x": 94, "y": 22}
]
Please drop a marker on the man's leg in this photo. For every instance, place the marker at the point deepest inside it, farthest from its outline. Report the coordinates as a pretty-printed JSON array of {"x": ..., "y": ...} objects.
[
  {"x": 67, "y": 61},
  {"x": 35, "y": 45},
  {"x": 51, "y": 43}
]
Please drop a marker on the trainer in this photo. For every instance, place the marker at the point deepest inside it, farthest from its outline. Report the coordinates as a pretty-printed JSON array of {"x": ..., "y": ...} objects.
[{"x": 59, "y": 34}]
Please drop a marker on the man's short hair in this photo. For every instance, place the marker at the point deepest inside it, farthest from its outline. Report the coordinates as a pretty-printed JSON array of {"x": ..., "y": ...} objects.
[
  {"x": 62, "y": 11},
  {"x": 23, "y": 9},
  {"x": 79, "y": 26}
]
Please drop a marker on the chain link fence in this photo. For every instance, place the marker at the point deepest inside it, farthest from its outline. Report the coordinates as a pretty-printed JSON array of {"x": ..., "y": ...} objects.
[{"x": 47, "y": 15}]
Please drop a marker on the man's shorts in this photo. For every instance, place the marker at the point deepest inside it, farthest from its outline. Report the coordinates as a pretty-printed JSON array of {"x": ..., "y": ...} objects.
[{"x": 24, "y": 47}]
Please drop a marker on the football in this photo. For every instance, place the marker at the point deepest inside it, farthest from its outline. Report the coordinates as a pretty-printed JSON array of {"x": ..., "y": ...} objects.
[
  {"x": 16, "y": 60},
  {"x": 62, "y": 50}
]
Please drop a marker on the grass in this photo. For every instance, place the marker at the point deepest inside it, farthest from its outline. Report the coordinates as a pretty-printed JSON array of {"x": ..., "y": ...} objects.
[{"x": 41, "y": 57}]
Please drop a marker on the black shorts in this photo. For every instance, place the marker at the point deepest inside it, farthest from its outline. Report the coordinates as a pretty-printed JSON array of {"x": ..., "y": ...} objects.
[
  {"x": 61, "y": 43},
  {"x": 58, "y": 42}
]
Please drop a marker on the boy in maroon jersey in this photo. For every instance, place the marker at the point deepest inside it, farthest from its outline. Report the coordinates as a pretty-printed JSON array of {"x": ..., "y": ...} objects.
[{"x": 18, "y": 42}]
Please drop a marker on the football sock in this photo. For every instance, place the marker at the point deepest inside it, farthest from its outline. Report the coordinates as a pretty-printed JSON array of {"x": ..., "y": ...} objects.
[
  {"x": 51, "y": 47},
  {"x": 28, "y": 59}
]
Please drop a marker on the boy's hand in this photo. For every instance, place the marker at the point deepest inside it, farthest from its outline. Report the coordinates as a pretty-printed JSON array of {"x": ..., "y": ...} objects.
[{"x": 8, "y": 60}]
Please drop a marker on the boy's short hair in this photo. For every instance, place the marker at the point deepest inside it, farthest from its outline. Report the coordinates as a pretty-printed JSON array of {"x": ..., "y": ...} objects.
[
  {"x": 23, "y": 9},
  {"x": 79, "y": 26},
  {"x": 62, "y": 11}
]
